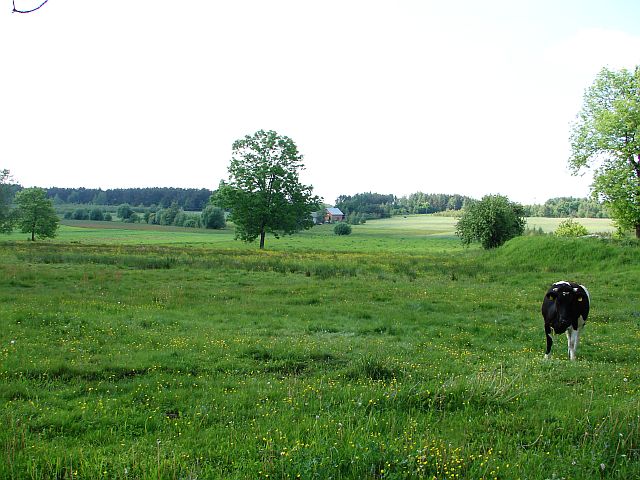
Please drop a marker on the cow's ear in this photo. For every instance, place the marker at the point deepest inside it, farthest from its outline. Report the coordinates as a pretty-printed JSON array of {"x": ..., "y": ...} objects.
[{"x": 551, "y": 297}]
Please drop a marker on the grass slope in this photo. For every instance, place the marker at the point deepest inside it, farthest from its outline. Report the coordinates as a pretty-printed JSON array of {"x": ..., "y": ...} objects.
[{"x": 381, "y": 355}]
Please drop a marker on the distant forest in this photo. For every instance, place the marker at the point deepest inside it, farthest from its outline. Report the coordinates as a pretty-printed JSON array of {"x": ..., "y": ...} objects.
[
  {"x": 375, "y": 205},
  {"x": 365, "y": 205},
  {"x": 186, "y": 198},
  {"x": 562, "y": 207}
]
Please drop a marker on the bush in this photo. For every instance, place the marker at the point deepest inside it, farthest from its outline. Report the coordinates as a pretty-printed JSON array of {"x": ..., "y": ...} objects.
[
  {"x": 571, "y": 228},
  {"x": 80, "y": 214},
  {"x": 342, "y": 229},
  {"x": 491, "y": 221},
  {"x": 96, "y": 214},
  {"x": 191, "y": 222},
  {"x": 124, "y": 211},
  {"x": 213, "y": 217},
  {"x": 133, "y": 218}
]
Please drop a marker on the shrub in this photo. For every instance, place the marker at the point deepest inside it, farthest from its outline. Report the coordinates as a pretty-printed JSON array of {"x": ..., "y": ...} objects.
[
  {"x": 342, "y": 229},
  {"x": 96, "y": 214},
  {"x": 80, "y": 214},
  {"x": 180, "y": 218},
  {"x": 191, "y": 222},
  {"x": 571, "y": 228},
  {"x": 213, "y": 217},
  {"x": 133, "y": 218},
  {"x": 491, "y": 221},
  {"x": 125, "y": 211}
]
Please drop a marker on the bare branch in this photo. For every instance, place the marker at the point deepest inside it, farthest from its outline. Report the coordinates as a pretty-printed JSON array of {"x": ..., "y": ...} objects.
[{"x": 15, "y": 10}]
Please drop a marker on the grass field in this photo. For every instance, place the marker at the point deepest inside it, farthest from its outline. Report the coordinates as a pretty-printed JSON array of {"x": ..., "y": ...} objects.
[{"x": 391, "y": 353}]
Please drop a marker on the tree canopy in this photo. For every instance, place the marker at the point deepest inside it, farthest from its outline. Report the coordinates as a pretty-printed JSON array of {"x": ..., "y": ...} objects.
[
  {"x": 490, "y": 221},
  {"x": 606, "y": 136},
  {"x": 264, "y": 193},
  {"x": 35, "y": 214}
]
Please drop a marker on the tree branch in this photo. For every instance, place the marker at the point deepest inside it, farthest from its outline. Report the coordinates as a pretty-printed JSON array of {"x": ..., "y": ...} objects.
[{"x": 27, "y": 11}]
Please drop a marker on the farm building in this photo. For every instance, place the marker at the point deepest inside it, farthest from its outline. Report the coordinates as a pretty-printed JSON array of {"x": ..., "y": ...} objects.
[{"x": 333, "y": 215}]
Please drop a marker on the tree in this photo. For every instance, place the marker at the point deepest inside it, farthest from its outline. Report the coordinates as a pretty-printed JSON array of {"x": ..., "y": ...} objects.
[
  {"x": 80, "y": 214},
  {"x": 35, "y": 213},
  {"x": 213, "y": 217},
  {"x": 264, "y": 193},
  {"x": 606, "y": 136},
  {"x": 124, "y": 211},
  {"x": 490, "y": 221},
  {"x": 96, "y": 214},
  {"x": 6, "y": 215}
]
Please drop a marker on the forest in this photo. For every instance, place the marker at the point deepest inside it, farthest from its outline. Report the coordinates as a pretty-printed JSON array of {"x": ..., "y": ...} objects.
[
  {"x": 191, "y": 199},
  {"x": 366, "y": 205},
  {"x": 375, "y": 205}
]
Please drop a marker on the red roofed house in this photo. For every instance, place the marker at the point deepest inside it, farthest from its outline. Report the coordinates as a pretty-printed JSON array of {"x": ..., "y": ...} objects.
[{"x": 334, "y": 215}]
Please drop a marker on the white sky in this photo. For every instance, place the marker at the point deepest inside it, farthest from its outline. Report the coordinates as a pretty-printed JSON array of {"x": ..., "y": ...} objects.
[{"x": 392, "y": 96}]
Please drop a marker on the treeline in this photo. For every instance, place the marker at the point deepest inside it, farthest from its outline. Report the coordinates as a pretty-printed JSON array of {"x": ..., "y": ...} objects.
[
  {"x": 562, "y": 207},
  {"x": 375, "y": 205},
  {"x": 161, "y": 197},
  {"x": 174, "y": 215}
]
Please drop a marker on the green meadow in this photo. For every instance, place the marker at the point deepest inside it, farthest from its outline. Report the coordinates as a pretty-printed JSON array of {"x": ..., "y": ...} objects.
[{"x": 132, "y": 352}]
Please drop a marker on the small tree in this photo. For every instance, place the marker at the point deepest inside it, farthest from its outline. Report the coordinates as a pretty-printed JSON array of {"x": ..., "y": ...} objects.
[
  {"x": 80, "y": 214},
  {"x": 490, "y": 221},
  {"x": 264, "y": 193},
  {"x": 168, "y": 215},
  {"x": 213, "y": 217},
  {"x": 571, "y": 228},
  {"x": 96, "y": 214},
  {"x": 124, "y": 211},
  {"x": 36, "y": 214},
  {"x": 6, "y": 216}
]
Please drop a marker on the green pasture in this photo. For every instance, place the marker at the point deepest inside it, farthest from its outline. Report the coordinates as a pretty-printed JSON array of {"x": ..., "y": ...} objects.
[
  {"x": 394, "y": 353},
  {"x": 409, "y": 227}
]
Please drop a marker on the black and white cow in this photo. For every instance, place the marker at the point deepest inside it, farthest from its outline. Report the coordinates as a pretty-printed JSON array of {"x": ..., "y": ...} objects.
[{"x": 565, "y": 309}]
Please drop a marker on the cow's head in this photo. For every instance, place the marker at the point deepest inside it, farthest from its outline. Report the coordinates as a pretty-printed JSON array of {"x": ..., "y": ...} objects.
[{"x": 568, "y": 301}]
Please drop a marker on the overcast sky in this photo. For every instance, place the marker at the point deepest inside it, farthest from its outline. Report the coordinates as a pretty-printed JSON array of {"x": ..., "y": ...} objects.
[{"x": 390, "y": 96}]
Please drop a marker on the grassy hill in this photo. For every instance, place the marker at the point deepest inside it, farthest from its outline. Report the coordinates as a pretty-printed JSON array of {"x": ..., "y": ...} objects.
[{"x": 391, "y": 353}]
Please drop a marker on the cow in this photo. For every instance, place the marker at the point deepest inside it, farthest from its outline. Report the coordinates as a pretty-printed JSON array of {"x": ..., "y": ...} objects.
[{"x": 565, "y": 309}]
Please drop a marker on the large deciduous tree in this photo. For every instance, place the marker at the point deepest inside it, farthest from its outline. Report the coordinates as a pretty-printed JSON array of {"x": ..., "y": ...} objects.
[
  {"x": 606, "y": 136},
  {"x": 264, "y": 193},
  {"x": 490, "y": 221},
  {"x": 35, "y": 213}
]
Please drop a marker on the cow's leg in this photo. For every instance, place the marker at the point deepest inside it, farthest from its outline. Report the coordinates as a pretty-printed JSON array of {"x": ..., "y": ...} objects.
[
  {"x": 572, "y": 340},
  {"x": 547, "y": 332},
  {"x": 576, "y": 340}
]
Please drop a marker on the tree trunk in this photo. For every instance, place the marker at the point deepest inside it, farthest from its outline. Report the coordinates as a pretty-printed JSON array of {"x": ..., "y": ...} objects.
[
  {"x": 638, "y": 230},
  {"x": 33, "y": 235},
  {"x": 262, "y": 235}
]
